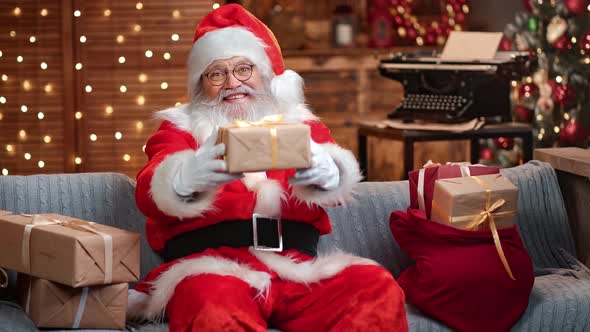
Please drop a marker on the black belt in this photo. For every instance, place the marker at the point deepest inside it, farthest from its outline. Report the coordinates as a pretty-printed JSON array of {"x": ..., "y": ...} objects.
[{"x": 271, "y": 234}]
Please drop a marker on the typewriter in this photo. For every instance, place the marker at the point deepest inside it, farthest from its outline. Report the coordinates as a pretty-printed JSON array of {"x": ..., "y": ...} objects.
[{"x": 455, "y": 91}]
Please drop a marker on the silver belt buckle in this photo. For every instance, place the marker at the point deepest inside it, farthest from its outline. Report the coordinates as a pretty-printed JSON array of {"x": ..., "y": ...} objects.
[{"x": 255, "y": 217}]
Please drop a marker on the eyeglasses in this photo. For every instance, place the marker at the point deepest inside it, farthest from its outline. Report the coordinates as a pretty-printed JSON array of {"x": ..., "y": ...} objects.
[{"x": 241, "y": 72}]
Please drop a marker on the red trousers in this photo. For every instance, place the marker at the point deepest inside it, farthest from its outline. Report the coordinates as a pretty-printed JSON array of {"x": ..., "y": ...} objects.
[{"x": 358, "y": 298}]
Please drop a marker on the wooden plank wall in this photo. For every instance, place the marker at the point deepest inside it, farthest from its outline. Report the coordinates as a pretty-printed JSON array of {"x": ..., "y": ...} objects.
[
  {"x": 112, "y": 64},
  {"x": 134, "y": 58},
  {"x": 32, "y": 130}
]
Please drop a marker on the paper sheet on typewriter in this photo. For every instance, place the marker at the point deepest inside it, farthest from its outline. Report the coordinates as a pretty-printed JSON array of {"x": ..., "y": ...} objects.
[{"x": 471, "y": 46}]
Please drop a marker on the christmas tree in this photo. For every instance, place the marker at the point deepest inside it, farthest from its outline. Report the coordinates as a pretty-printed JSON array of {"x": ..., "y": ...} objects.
[{"x": 555, "y": 98}]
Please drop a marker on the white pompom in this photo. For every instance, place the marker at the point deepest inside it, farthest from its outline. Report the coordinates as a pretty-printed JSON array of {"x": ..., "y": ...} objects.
[{"x": 288, "y": 88}]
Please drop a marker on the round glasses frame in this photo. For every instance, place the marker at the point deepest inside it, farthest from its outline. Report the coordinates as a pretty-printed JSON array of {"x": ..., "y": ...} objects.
[{"x": 220, "y": 80}]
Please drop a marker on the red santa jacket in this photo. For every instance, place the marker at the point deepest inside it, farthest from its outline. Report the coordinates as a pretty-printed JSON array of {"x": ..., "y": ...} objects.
[{"x": 266, "y": 193}]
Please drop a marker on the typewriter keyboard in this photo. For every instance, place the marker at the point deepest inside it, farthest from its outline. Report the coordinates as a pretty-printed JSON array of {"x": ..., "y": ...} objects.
[
  {"x": 432, "y": 107},
  {"x": 434, "y": 103}
]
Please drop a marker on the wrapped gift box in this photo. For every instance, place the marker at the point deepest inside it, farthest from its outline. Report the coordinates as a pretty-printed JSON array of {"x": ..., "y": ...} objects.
[
  {"x": 70, "y": 251},
  {"x": 458, "y": 202},
  {"x": 3, "y": 213},
  {"x": 52, "y": 305},
  {"x": 436, "y": 171},
  {"x": 254, "y": 148}
]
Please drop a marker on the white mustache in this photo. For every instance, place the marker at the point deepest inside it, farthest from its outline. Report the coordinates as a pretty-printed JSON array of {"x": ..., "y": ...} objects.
[{"x": 240, "y": 89}]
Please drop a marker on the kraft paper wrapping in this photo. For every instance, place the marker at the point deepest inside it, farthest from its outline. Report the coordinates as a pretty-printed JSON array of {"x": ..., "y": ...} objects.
[
  {"x": 266, "y": 147},
  {"x": 70, "y": 256},
  {"x": 3, "y": 213},
  {"x": 52, "y": 305},
  {"x": 455, "y": 202},
  {"x": 460, "y": 197}
]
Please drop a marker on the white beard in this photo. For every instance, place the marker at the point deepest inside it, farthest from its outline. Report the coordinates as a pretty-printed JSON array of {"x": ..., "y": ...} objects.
[{"x": 219, "y": 113}]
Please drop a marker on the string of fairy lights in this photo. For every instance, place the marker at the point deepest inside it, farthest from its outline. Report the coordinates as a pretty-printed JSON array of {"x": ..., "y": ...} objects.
[{"x": 48, "y": 88}]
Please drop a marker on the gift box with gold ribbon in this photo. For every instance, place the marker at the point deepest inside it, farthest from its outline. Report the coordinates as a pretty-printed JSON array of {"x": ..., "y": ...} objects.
[
  {"x": 69, "y": 251},
  {"x": 478, "y": 203},
  {"x": 52, "y": 305},
  {"x": 269, "y": 144}
]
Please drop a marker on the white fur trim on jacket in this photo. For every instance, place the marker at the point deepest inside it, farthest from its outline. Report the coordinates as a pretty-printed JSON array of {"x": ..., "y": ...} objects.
[
  {"x": 269, "y": 193},
  {"x": 165, "y": 197},
  {"x": 152, "y": 307},
  {"x": 323, "y": 267},
  {"x": 349, "y": 175}
]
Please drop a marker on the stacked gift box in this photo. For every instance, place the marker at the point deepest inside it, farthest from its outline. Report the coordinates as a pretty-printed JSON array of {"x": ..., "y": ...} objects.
[{"x": 72, "y": 273}]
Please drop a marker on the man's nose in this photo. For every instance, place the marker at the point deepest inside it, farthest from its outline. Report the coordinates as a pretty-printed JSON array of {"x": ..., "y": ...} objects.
[{"x": 232, "y": 82}]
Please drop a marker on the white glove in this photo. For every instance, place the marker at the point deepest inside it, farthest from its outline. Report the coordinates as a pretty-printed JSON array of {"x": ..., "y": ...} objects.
[
  {"x": 323, "y": 171},
  {"x": 203, "y": 171}
]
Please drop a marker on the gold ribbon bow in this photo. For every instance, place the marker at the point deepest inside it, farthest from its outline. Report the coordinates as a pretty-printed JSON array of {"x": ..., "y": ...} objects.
[
  {"x": 268, "y": 121},
  {"x": 488, "y": 213},
  {"x": 41, "y": 220}
]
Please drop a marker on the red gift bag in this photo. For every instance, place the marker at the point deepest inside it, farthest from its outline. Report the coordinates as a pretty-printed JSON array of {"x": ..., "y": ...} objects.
[
  {"x": 422, "y": 180},
  {"x": 458, "y": 277}
]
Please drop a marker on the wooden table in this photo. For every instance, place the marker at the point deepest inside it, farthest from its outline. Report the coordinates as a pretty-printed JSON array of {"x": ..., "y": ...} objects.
[{"x": 408, "y": 137}]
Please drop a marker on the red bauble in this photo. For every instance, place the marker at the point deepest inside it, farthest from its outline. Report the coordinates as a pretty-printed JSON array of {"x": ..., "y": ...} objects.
[
  {"x": 585, "y": 42},
  {"x": 573, "y": 132},
  {"x": 527, "y": 89},
  {"x": 503, "y": 142},
  {"x": 430, "y": 38},
  {"x": 563, "y": 94},
  {"x": 459, "y": 17},
  {"x": 528, "y": 6},
  {"x": 563, "y": 43},
  {"x": 505, "y": 44},
  {"x": 576, "y": 6},
  {"x": 486, "y": 154},
  {"x": 524, "y": 113}
]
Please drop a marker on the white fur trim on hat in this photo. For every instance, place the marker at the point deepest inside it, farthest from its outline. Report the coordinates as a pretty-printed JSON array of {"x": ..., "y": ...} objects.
[
  {"x": 237, "y": 41},
  {"x": 224, "y": 44},
  {"x": 288, "y": 88},
  {"x": 349, "y": 175}
]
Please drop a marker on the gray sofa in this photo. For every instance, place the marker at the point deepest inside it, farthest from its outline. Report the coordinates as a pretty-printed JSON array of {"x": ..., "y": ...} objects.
[{"x": 560, "y": 300}]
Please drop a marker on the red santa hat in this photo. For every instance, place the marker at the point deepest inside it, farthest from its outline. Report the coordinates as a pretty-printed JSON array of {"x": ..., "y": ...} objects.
[{"x": 231, "y": 31}]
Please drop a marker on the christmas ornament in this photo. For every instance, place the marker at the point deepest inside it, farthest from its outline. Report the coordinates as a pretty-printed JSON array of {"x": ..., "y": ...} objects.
[
  {"x": 556, "y": 28},
  {"x": 585, "y": 42},
  {"x": 545, "y": 105},
  {"x": 563, "y": 43},
  {"x": 527, "y": 90},
  {"x": 486, "y": 154},
  {"x": 528, "y": 6},
  {"x": 533, "y": 24},
  {"x": 505, "y": 44},
  {"x": 576, "y": 7},
  {"x": 503, "y": 142},
  {"x": 524, "y": 114},
  {"x": 573, "y": 132},
  {"x": 432, "y": 32},
  {"x": 563, "y": 94}
]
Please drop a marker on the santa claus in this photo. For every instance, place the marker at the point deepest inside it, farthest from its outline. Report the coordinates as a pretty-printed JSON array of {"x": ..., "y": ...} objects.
[{"x": 241, "y": 249}]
